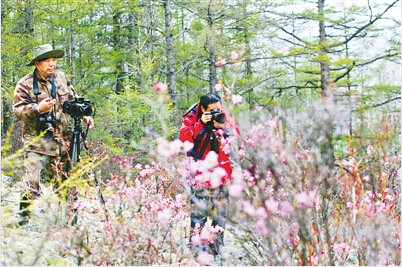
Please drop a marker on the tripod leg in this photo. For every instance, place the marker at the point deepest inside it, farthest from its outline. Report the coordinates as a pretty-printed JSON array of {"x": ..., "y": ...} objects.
[
  {"x": 72, "y": 197},
  {"x": 24, "y": 209},
  {"x": 102, "y": 200},
  {"x": 74, "y": 153}
]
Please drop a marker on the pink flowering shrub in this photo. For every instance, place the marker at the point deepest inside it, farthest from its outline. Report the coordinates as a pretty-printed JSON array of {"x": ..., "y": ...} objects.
[
  {"x": 221, "y": 62},
  {"x": 296, "y": 198},
  {"x": 141, "y": 222},
  {"x": 160, "y": 86},
  {"x": 294, "y": 209},
  {"x": 295, "y": 203}
]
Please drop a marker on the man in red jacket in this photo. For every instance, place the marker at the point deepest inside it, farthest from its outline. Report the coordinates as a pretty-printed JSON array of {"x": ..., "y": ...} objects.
[{"x": 205, "y": 124}]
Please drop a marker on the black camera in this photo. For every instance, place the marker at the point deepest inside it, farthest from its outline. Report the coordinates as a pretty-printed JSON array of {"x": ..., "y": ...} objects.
[
  {"x": 78, "y": 107},
  {"x": 218, "y": 116},
  {"x": 46, "y": 122}
]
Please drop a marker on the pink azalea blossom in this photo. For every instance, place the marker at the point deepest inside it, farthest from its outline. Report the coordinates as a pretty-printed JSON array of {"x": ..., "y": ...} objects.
[
  {"x": 171, "y": 149},
  {"x": 160, "y": 86},
  {"x": 234, "y": 56},
  {"x": 181, "y": 200},
  {"x": 196, "y": 240},
  {"x": 248, "y": 208},
  {"x": 210, "y": 161},
  {"x": 207, "y": 235},
  {"x": 221, "y": 62},
  {"x": 370, "y": 150},
  {"x": 383, "y": 260},
  {"x": 163, "y": 147},
  {"x": 216, "y": 177},
  {"x": 286, "y": 209},
  {"x": 187, "y": 146},
  {"x": 272, "y": 205},
  {"x": 236, "y": 99},
  {"x": 389, "y": 198},
  {"x": 303, "y": 153},
  {"x": 306, "y": 199},
  {"x": 340, "y": 247},
  {"x": 218, "y": 87},
  {"x": 313, "y": 260},
  {"x": 242, "y": 153},
  {"x": 164, "y": 216},
  {"x": 237, "y": 184},
  {"x": 260, "y": 226},
  {"x": 261, "y": 212},
  {"x": 348, "y": 163},
  {"x": 204, "y": 258},
  {"x": 227, "y": 143},
  {"x": 235, "y": 190}
]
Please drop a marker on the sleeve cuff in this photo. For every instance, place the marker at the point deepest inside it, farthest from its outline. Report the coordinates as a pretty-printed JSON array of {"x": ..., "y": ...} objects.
[{"x": 36, "y": 111}]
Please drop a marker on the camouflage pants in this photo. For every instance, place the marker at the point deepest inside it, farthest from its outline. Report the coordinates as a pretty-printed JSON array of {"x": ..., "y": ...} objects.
[
  {"x": 38, "y": 169},
  {"x": 43, "y": 169}
]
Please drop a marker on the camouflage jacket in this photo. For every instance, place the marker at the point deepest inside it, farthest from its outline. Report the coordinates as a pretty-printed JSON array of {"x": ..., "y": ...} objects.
[{"x": 25, "y": 104}]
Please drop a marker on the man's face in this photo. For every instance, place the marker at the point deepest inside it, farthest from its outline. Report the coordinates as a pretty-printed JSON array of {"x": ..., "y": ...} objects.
[
  {"x": 216, "y": 105},
  {"x": 46, "y": 67}
]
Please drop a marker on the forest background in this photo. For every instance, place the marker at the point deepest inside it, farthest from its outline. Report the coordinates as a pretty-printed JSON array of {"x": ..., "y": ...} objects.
[{"x": 314, "y": 85}]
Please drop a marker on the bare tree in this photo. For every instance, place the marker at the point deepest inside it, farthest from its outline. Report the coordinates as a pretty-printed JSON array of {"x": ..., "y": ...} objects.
[{"x": 170, "y": 59}]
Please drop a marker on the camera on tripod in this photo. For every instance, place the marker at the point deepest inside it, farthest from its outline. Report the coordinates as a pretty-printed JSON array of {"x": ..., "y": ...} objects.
[{"x": 78, "y": 107}]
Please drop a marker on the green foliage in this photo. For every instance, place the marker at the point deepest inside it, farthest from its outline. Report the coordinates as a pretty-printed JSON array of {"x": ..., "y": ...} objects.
[
  {"x": 119, "y": 52},
  {"x": 115, "y": 50},
  {"x": 197, "y": 26},
  {"x": 130, "y": 117}
]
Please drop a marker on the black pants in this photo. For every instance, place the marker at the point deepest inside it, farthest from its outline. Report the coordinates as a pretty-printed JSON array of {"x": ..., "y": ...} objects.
[{"x": 212, "y": 203}]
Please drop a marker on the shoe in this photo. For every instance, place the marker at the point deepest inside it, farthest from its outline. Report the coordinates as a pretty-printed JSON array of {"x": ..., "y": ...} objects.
[
  {"x": 218, "y": 260},
  {"x": 23, "y": 219},
  {"x": 23, "y": 222},
  {"x": 33, "y": 228}
]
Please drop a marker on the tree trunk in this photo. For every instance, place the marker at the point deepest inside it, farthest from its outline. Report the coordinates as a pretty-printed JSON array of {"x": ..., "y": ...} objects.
[
  {"x": 72, "y": 47},
  {"x": 28, "y": 21},
  {"x": 116, "y": 46},
  {"x": 249, "y": 70},
  {"x": 149, "y": 41},
  {"x": 170, "y": 62},
  {"x": 212, "y": 54},
  {"x": 325, "y": 85},
  {"x": 327, "y": 146}
]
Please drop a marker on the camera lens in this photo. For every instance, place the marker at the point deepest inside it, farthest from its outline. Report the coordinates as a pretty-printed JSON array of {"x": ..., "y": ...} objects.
[{"x": 218, "y": 116}]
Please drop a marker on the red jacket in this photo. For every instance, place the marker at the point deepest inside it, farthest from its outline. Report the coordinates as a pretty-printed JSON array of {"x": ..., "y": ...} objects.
[{"x": 194, "y": 131}]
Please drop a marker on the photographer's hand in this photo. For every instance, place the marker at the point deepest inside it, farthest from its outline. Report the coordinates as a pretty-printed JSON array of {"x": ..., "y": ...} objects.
[
  {"x": 206, "y": 117},
  {"x": 88, "y": 121},
  {"x": 46, "y": 104}
]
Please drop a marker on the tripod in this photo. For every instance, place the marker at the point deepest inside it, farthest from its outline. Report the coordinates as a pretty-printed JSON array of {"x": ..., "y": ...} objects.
[
  {"x": 211, "y": 138},
  {"x": 74, "y": 153}
]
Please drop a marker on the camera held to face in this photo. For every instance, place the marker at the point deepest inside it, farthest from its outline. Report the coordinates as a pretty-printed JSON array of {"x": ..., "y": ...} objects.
[
  {"x": 78, "y": 107},
  {"x": 46, "y": 122},
  {"x": 218, "y": 116}
]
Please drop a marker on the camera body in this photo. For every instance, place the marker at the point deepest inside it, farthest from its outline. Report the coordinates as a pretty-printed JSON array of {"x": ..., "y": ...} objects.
[
  {"x": 46, "y": 122},
  {"x": 218, "y": 116},
  {"x": 78, "y": 107}
]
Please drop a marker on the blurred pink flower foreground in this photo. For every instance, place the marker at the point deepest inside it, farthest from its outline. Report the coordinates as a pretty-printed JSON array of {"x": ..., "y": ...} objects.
[{"x": 160, "y": 87}]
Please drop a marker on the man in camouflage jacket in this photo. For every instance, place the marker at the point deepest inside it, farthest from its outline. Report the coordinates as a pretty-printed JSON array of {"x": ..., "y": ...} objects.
[{"x": 38, "y": 95}]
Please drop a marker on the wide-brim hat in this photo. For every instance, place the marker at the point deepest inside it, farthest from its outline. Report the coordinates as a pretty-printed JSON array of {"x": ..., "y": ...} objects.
[{"x": 45, "y": 51}]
